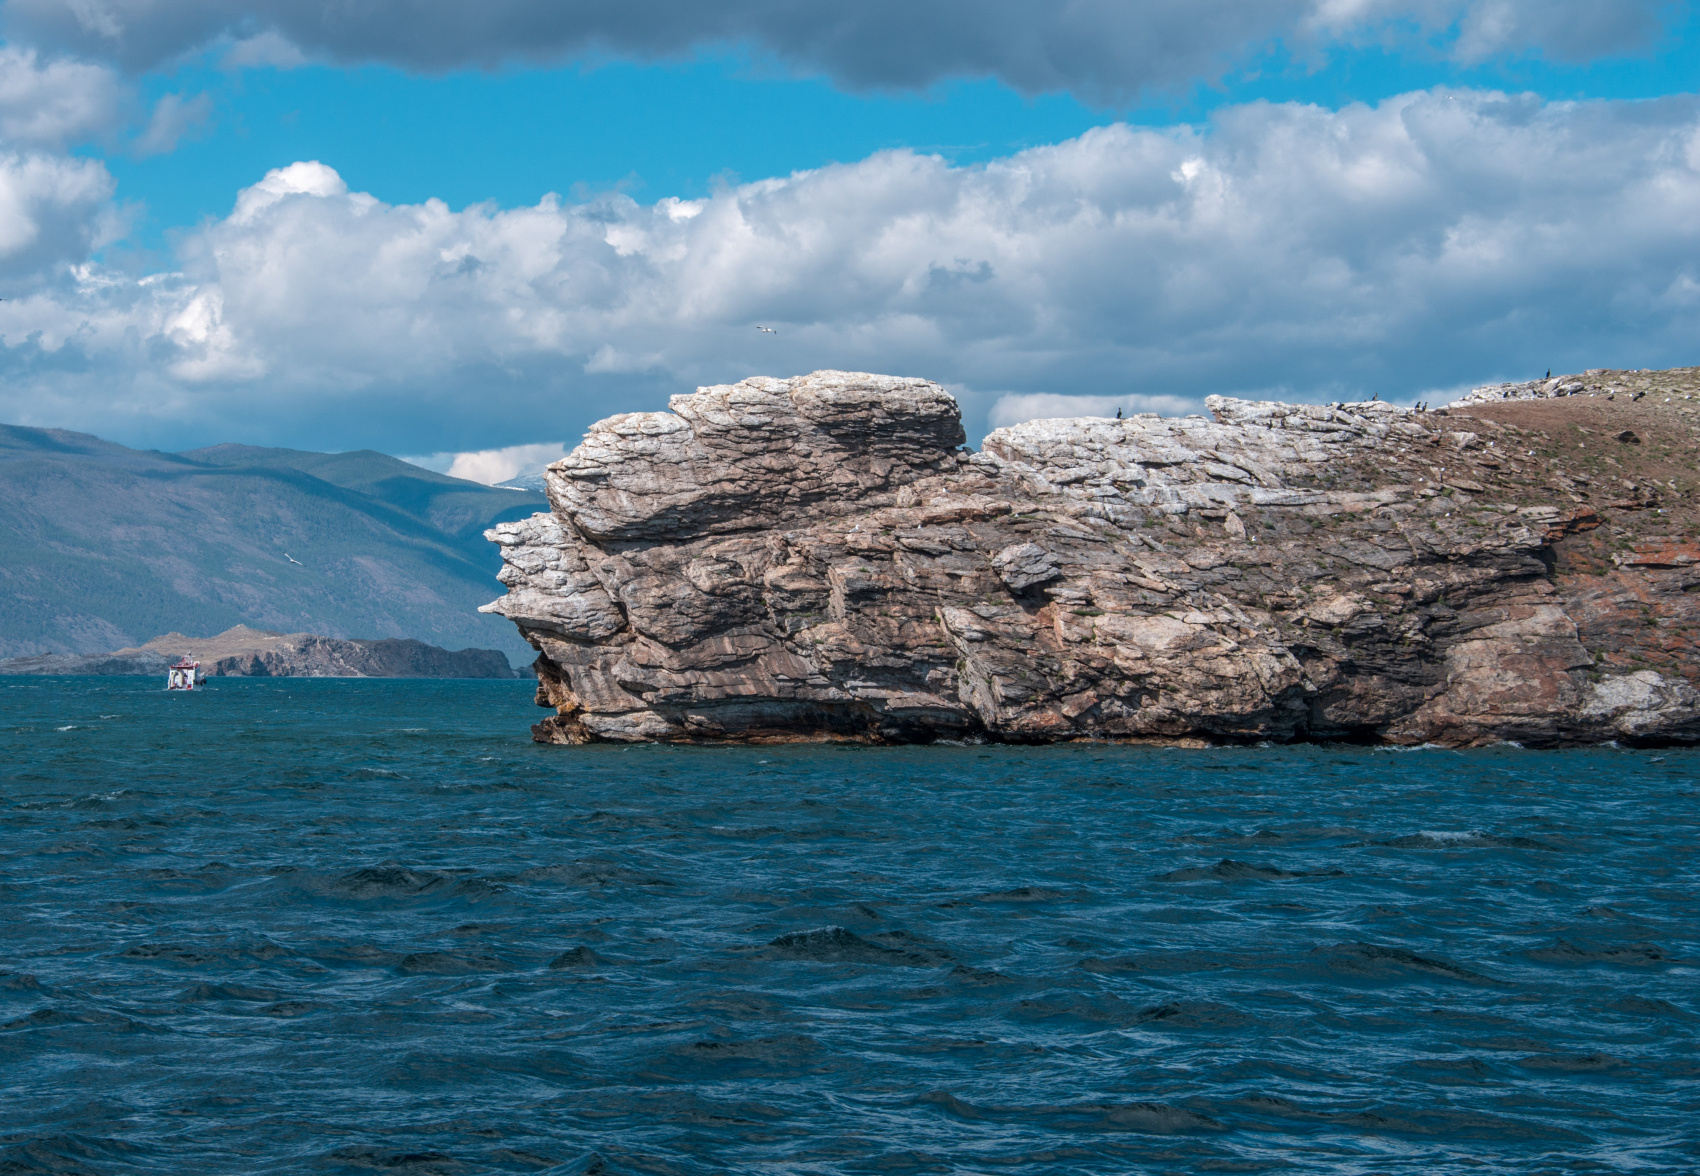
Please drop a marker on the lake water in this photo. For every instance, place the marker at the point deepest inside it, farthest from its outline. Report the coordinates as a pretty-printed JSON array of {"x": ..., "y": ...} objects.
[{"x": 366, "y": 926}]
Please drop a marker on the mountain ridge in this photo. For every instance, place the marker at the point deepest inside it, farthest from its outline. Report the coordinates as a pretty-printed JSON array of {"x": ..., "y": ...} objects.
[
  {"x": 102, "y": 545},
  {"x": 242, "y": 652}
]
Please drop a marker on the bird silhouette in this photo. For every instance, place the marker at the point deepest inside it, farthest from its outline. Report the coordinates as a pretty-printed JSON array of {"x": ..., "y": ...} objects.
[
  {"x": 293, "y": 560},
  {"x": 767, "y": 330}
]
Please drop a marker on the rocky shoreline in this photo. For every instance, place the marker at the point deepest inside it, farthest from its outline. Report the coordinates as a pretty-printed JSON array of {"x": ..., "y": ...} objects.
[{"x": 820, "y": 558}]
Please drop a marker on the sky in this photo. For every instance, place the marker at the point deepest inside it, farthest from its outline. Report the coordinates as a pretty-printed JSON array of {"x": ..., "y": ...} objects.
[{"x": 462, "y": 233}]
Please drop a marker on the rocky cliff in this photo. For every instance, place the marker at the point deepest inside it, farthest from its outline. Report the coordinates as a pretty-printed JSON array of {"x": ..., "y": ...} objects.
[{"x": 819, "y": 558}]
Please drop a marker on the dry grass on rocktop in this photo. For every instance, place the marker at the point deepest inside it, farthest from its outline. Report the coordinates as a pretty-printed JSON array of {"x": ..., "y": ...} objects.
[
  {"x": 1646, "y": 491},
  {"x": 1643, "y": 489}
]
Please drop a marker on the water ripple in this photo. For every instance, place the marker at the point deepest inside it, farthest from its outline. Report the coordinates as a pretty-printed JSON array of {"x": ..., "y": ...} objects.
[{"x": 297, "y": 926}]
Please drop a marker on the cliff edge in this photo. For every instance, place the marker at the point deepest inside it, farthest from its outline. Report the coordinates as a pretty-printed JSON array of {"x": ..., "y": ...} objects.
[{"x": 819, "y": 558}]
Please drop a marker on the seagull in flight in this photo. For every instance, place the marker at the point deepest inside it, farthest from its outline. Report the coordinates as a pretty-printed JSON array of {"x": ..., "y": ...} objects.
[
  {"x": 293, "y": 560},
  {"x": 767, "y": 330}
]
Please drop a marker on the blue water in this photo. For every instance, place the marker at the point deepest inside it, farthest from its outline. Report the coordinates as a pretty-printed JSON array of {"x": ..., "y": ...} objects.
[{"x": 357, "y": 926}]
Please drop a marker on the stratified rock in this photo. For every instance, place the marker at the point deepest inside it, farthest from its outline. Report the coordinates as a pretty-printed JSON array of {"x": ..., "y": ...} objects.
[
  {"x": 1022, "y": 565},
  {"x": 817, "y": 558}
]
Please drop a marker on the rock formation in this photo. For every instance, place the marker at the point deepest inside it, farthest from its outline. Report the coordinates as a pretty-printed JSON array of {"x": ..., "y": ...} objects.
[
  {"x": 241, "y": 652},
  {"x": 819, "y": 558},
  {"x": 86, "y": 664}
]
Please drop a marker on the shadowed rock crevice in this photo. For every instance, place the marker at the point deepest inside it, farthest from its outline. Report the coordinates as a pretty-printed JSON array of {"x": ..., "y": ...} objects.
[{"x": 818, "y": 558}]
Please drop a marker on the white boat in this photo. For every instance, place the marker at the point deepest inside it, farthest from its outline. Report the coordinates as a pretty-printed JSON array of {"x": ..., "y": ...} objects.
[{"x": 185, "y": 675}]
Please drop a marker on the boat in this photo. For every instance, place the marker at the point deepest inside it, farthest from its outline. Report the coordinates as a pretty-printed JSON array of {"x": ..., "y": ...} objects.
[{"x": 184, "y": 675}]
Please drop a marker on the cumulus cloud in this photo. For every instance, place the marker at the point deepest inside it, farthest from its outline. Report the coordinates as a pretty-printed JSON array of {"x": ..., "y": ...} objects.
[
  {"x": 48, "y": 104},
  {"x": 1105, "y": 48},
  {"x": 494, "y": 467},
  {"x": 54, "y": 210},
  {"x": 1284, "y": 250}
]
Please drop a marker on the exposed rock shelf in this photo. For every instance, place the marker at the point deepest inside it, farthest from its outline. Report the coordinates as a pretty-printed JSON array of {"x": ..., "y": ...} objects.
[{"x": 818, "y": 558}]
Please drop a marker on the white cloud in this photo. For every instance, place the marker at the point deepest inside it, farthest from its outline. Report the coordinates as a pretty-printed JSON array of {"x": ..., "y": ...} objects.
[
  {"x": 53, "y": 103},
  {"x": 53, "y": 211},
  {"x": 1102, "y": 48},
  {"x": 174, "y": 119},
  {"x": 494, "y": 466},
  {"x": 1476, "y": 30},
  {"x": 262, "y": 51},
  {"x": 1429, "y": 241},
  {"x": 311, "y": 178}
]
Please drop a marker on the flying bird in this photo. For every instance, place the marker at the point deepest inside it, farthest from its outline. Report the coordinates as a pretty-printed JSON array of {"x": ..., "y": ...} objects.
[
  {"x": 767, "y": 330},
  {"x": 293, "y": 560}
]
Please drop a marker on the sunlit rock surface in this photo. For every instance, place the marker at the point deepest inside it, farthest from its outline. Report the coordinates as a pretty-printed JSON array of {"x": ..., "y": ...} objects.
[{"x": 819, "y": 558}]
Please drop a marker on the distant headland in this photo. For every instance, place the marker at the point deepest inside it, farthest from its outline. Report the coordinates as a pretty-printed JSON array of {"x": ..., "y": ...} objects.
[
  {"x": 103, "y": 545},
  {"x": 241, "y": 652},
  {"x": 820, "y": 558}
]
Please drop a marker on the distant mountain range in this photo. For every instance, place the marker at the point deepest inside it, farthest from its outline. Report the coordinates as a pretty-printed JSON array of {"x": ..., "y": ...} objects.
[
  {"x": 102, "y": 547},
  {"x": 241, "y": 652}
]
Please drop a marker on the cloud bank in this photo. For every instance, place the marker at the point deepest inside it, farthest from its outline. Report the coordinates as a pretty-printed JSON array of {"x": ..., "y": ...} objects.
[
  {"x": 1104, "y": 49},
  {"x": 1421, "y": 243}
]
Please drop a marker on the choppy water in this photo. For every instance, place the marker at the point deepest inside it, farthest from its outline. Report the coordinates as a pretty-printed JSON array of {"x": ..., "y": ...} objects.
[{"x": 332, "y": 926}]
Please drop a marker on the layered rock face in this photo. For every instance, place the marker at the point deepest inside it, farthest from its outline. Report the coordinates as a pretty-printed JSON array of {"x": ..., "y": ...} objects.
[{"x": 819, "y": 558}]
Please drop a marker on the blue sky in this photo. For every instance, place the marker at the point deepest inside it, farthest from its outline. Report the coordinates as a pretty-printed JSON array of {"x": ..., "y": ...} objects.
[
  {"x": 436, "y": 229},
  {"x": 676, "y": 128}
]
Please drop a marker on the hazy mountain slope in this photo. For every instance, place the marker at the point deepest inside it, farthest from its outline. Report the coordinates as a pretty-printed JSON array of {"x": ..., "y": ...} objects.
[
  {"x": 454, "y": 506},
  {"x": 103, "y": 546}
]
